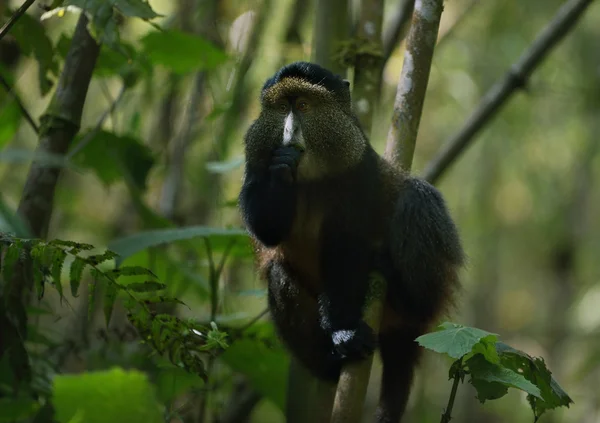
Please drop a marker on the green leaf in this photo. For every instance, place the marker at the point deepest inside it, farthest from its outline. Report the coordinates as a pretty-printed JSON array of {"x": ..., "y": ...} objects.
[
  {"x": 92, "y": 296},
  {"x": 79, "y": 246},
  {"x": 75, "y": 274},
  {"x": 132, "y": 244},
  {"x": 481, "y": 370},
  {"x": 11, "y": 256},
  {"x": 115, "y": 395},
  {"x": 136, "y": 9},
  {"x": 17, "y": 409},
  {"x": 165, "y": 300},
  {"x": 456, "y": 340},
  {"x": 101, "y": 258},
  {"x": 148, "y": 286},
  {"x": 110, "y": 296},
  {"x": 32, "y": 38},
  {"x": 58, "y": 261},
  {"x": 109, "y": 155},
  {"x": 192, "y": 54},
  {"x": 10, "y": 121},
  {"x": 534, "y": 369},
  {"x": 132, "y": 271}
]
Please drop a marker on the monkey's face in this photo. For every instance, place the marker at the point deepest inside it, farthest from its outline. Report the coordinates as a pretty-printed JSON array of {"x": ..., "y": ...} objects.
[{"x": 298, "y": 113}]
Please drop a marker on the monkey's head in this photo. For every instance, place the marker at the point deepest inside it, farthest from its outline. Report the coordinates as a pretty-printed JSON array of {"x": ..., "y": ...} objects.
[{"x": 307, "y": 106}]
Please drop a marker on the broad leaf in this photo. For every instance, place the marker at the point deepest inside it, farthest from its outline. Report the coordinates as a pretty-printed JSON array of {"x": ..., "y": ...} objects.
[
  {"x": 486, "y": 378},
  {"x": 456, "y": 340},
  {"x": 218, "y": 237},
  {"x": 108, "y": 155},
  {"x": 192, "y": 53},
  {"x": 534, "y": 369}
]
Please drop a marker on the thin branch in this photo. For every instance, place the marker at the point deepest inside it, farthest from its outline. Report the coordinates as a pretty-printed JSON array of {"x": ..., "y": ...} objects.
[
  {"x": 412, "y": 86},
  {"x": 447, "y": 415},
  {"x": 396, "y": 30},
  {"x": 11, "y": 92},
  {"x": 515, "y": 79},
  {"x": 173, "y": 183},
  {"x": 15, "y": 17}
]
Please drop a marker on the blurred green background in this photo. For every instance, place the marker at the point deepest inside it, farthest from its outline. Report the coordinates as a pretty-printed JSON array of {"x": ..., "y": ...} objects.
[{"x": 525, "y": 194}]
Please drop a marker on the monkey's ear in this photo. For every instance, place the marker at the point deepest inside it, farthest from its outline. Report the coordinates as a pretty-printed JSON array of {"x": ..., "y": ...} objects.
[{"x": 347, "y": 83}]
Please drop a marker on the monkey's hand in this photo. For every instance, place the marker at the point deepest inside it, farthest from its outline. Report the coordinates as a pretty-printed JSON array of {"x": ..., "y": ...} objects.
[
  {"x": 284, "y": 163},
  {"x": 354, "y": 344}
]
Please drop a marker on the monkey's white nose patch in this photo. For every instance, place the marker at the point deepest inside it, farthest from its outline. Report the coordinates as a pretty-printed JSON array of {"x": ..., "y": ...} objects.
[{"x": 292, "y": 132}]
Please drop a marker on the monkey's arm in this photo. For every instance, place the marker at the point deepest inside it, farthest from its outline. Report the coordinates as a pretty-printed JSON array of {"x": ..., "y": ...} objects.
[
  {"x": 268, "y": 196},
  {"x": 345, "y": 270},
  {"x": 425, "y": 250}
]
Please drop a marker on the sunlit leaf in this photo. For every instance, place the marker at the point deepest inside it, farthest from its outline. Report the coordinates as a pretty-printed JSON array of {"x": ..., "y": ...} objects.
[{"x": 108, "y": 396}]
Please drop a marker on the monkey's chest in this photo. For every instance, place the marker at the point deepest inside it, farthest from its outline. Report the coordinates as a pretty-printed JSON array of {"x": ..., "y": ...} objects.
[{"x": 301, "y": 250}]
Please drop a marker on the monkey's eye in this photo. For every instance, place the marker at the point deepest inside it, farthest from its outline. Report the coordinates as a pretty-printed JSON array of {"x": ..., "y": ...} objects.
[
  {"x": 302, "y": 105},
  {"x": 283, "y": 108}
]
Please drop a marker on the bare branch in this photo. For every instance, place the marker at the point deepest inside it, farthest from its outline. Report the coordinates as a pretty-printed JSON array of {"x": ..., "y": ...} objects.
[
  {"x": 516, "y": 78},
  {"x": 367, "y": 69},
  {"x": 413, "y": 82},
  {"x": 61, "y": 122}
]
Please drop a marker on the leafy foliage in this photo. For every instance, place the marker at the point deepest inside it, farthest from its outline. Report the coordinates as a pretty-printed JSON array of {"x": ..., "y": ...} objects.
[
  {"x": 126, "y": 154},
  {"x": 493, "y": 366},
  {"x": 193, "y": 53},
  {"x": 185, "y": 343}
]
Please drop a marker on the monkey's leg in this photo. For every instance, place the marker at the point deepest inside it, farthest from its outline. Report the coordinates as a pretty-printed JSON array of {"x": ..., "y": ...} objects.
[
  {"x": 296, "y": 317},
  {"x": 400, "y": 354}
]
